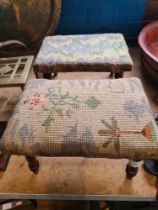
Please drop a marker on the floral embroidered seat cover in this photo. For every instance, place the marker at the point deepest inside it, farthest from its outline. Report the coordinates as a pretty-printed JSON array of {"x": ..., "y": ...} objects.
[
  {"x": 89, "y": 118},
  {"x": 95, "y": 52}
]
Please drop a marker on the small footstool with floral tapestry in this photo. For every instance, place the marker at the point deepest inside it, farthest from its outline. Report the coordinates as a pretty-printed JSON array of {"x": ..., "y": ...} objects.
[
  {"x": 97, "y": 53},
  {"x": 84, "y": 118}
]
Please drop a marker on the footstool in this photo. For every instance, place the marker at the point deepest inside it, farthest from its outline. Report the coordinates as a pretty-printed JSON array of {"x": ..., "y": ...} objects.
[
  {"x": 84, "y": 118},
  {"x": 98, "y": 53}
]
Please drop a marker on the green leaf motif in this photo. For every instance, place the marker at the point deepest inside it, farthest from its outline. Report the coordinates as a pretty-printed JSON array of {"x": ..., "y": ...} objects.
[
  {"x": 62, "y": 103},
  {"x": 45, "y": 109},
  {"x": 65, "y": 96},
  {"x": 107, "y": 124},
  {"x": 93, "y": 102},
  {"x": 47, "y": 122},
  {"x": 113, "y": 123},
  {"x": 59, "y": 111},
  {"x": 117, "y": 145}
]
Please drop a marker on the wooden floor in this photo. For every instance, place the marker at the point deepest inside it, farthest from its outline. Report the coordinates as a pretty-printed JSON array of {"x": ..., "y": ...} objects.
[{"x": 77, "y": 178}]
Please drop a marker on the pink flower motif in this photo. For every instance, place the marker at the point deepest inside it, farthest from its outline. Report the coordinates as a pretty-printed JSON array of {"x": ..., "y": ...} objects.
[{"x": 36, "y": 101}]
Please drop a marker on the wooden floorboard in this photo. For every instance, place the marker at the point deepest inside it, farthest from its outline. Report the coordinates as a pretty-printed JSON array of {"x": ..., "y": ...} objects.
[{"x": 75, "y": 176}]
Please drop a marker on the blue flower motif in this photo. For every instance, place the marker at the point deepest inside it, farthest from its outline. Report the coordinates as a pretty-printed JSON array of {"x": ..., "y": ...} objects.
[
  {"x": 136, "y": 109},
  {"x": 26, "y": 134}
]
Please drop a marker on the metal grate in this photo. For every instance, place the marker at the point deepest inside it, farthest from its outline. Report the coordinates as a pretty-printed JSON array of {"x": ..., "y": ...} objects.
[{"x": 14, "y": 71}]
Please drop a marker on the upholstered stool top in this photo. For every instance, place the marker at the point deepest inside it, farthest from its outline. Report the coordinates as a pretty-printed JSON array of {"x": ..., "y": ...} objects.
[
  {"x": 108, "y": 50},
  {"x": 91, "y": 118}
]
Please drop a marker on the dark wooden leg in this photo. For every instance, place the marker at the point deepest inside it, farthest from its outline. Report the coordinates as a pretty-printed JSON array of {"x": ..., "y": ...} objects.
[
  {"x": 54, "y": 75},
  {"x": 118, "y": 75},
  {"x": 4, "y": 160},
  {"x": 132, "y": 168},
  {"x": 47, "y": 76},
  {"x": 36, "y": 74},
  {"x": 33, "y": 164},
  {"x": 22, "y": 87},
  {"x": 50, "y": 76},
  {"x": 36, "y": 70},
  {"x": 111, "y": 75}
]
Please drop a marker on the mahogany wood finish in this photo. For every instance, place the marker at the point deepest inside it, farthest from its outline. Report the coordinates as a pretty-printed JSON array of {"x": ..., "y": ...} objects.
[
  {"x": 131, "y": 170},
  {"x": 33, "y": 164},
  {"x": 116, "y": 75},
  {"x": 48, "y": 76},
  {"x": 4, "y": 160}
]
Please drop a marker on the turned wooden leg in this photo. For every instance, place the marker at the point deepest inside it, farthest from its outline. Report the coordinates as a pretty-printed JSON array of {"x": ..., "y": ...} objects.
[
  {"x": 33, "y": 164},
  {"x": 47, "y": 76},
  {"x": 118, "y": 75},
  {"x": 54, "y": 75},
  {"x": 22, "y": 87},
  {"x": 36, "y": 74},
  {"x": 111, "y": 75},
  {"x": 132, "y": 168},
  {"x": 50, "y": 76},
  {"x": 4, "y": 160}
]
